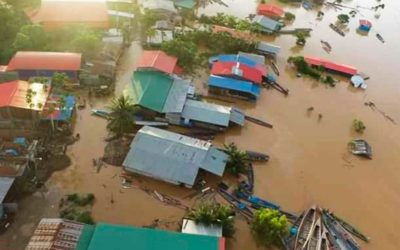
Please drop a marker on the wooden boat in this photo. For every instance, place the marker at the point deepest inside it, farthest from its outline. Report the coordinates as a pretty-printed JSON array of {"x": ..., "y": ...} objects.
[
  {"x": 336, "y": 28},
  {"x": 305, "y": 228},
  {"x": 275, "y": 68},
  {"x": 240, "y": 206},
  {"x": 350, "y": 228},
  {"x": 326, "y": 44},
  {"x": 100, "y": 112},
  {"x": 342, "y": 238},
  {"x": 325, "y": 245},
  {"x": 380, "y": 38},
  {"x": 258, "y": 121},
  {"x": 289, "y": 241},
  {"x": 256, "y": 156},
  {"x": 314, "y": 243}
]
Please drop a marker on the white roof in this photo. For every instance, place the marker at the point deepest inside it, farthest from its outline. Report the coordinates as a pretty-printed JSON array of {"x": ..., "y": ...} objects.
[{"x": 190, "y": 227}]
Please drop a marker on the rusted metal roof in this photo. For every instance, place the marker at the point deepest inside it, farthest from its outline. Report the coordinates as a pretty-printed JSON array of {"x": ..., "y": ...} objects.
[
  {"x": 37, "y": 60},
  {"x": 342, "y": 68},
  {"x": 157, "y": 59},
  {"x": 14, "y": 94}
]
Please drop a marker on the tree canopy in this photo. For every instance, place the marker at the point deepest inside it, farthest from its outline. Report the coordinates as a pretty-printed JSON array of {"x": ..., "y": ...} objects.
[
  {"x": 30, "y": 37},
  {"x": 121, "y": 117}
]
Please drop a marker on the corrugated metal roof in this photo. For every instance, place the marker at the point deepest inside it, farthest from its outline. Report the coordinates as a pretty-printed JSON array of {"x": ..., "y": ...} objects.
[
  {"x": 187, "y": 4},
  {"x": 237, "y": 70},
  {"x": 59, "y": 114},
  {"x": 37, "y": 60},
  {"x": 56, "y": 234},
  {"x": 241, "y": 59},
  {"x": 268, "y": 48},
  {"x": 157, "y": 59},
  {"x": 163, "y": 5},
  {"x": 5, "y": 186},
  {"x": 177, "y": 96},
  {"x": 270, "y": 10},
  {"x": 118, "y": 237},
  {"x": 149, "y": 89},
  {"x": 191, "y": 227},
  {"x": 267, "y": 23},
  {"x": 234, "y": 84},
  {"x": 206, "y": 112},
  {"x": 237, "y": 116},
  {"x": 350, "y": 70},
  {"x": 215, "y": 161},
  {"x": 260, "y": 59},
  {"x": 169, "y": 156},
  {"x": 13, "y": 94}
]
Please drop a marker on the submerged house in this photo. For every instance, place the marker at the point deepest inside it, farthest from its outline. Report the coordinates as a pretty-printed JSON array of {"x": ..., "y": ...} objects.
[
  {"x": 21, "y": 104},
  {"x": 172, "y": 157},
  {"x": 157, "y": 60},
  {"x": 268, "y": 49},
  {"x": 242, "y": 59},
  {"x": 237, "y": 70},
  {"x": 233, "y": 87},
  {"x": 44, "y": 64},
  {"x": 268, "y": 25},
  {"x": 270, "y": 10},
  {"x": 57, "y": 14},
  {"x": 342, "y": 69}
]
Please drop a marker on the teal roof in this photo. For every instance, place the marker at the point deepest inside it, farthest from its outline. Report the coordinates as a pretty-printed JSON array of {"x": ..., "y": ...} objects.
[
  {"x": 86, "y": 236},
  {"x": 149, "y": 89},
  {"x": 119, "y": 237},
  {"x": 187, "y": 4}
]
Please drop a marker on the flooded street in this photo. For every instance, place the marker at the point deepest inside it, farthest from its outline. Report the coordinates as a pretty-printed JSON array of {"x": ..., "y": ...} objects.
[{"x": 310, "y": 162}]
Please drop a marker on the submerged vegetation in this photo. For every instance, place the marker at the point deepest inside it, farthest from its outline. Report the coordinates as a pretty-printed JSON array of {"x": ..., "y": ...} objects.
[
  {"x": 238, "y": 160},
  {"x": 359, "y": 126},
  {"x": 121, "y": 117},
  {"x": 269, "y": 226},
  {"x": 77, "y": 207},
  {"x": 289, "y": 16},
  {"x": 303, "y": 67},
  {"x": 230, "y": 22},
  {"x": 212, "y": 213}
]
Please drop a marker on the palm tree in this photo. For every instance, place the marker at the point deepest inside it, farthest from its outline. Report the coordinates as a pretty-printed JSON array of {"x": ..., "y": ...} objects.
[
  {"x": 121, "y": 117},
  {"x": 238, "y": 160}
]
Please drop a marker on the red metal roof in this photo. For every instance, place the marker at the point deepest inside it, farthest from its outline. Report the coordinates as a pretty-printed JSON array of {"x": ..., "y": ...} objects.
[
  {"x": 36, "y": 60},
  {"x": 229, "y": 69},
  {"x": 157, "y": 59},
  {"x": 13, "y": 94},
  {"x": 270, "y": 10},
  {"x": 365, "y": 23},
  {"x": 55, "y": 14},
  {"x": 350, "y": 70}
]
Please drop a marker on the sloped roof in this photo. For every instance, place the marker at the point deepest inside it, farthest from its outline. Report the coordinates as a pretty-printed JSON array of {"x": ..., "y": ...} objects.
[
  {"x": 170, "y": 156},
  {"x": 234, "y": 84},
  {"x": 159, "y": 5},
  {"x": 116, "y": 237},
  {"x": 14, "y": 93},
  {"x": 37, "y": 60},
  {"x": 267, "y": 23},
  {"x": 149, "y": 89},
  {"x": 270, "y": 10},
  {"x": 191, "y": 227},
  {"x": 234, "y": 33},
  {"x": 5, "y": 186},
  {"x": 187, "y": 4},
  {"x": 93, "y": 13},
  {"x": 157, "y": 59},
  {"x": 177, "y": 96},
  {"x": 206, "y": 112},
  {"x": 268, "y": 48},
  {"x": 260, "y": 59},
  {"x": 59, "y": 114},
  {"x": 366, "y": 23},
  {"x": 243, "y": 59},
  {"x": 315, "y": 61},
  {"x": 237, "y": 70}
]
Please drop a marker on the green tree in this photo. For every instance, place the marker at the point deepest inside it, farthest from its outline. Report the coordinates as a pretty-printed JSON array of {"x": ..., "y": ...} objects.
[
  {"x": 150, "y": 33},
  {"x": 289, "y": 16},
  {"x": 343, "y": 18},
  {"x": 59, "y": 80},
  {"x": 121, "y": 117},
  {"x": 148, "y": 19},
  {"x": 359, "y": 126},
  {"x": 126, "y": 35},
  {"x": 301, "y": 38},
  {"x": 86, "y": 43},
  {"x": 31, "y": 37},
  {"x": 269, "y": 226},
  {"x": 212, "y": 213},
  {"x": 185, "y": 51},
  {"x": 238, "y": 160}
]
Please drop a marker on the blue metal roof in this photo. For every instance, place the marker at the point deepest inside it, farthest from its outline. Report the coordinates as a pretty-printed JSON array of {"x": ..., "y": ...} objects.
[
  {"x": 267, "y": 23},
  {"x": 206, "y": 112},
  {"x": 237, "y": 58},
  {"x": 5, "y": 186},
  {"x": 234, "y": 84}
]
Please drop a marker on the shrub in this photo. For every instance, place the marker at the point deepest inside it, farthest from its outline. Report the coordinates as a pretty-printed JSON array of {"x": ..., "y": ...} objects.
[{"x": 359, "y": 126}]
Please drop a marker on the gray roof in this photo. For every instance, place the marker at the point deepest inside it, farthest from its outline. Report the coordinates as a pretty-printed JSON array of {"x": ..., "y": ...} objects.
[
  {"x": 267, "y": 23},
  {"x": 268, "y": 48},
  {"x": 177, "y": 96},
  {"x": 172, "y": 157},
  {"x": 206, "y": 112},
  {"x": 257, "y": 58},
  {"x": 159, "y": 5},
  {"x": 191, "y": 227},
  {"x": 5, "y": 185},
  {"x": 237, "y": 116}
]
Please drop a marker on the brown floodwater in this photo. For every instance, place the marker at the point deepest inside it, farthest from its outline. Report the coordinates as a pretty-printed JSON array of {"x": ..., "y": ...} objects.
[{"x": 309, "y": 158}]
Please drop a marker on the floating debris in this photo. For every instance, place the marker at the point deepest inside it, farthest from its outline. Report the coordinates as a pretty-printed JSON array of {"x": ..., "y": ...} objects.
[
  {"x": 337, "y": 29},
  {"x": 361, "y": 147}
]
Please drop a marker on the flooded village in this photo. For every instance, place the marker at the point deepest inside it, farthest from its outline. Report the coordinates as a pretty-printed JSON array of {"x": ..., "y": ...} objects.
[{"x": 158, "y": 124}]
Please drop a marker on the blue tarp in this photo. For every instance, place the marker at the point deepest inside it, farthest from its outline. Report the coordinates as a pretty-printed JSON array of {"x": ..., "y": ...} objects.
[
  {"x": 21, "y": 141},
  {"x": 234, "y": 84},
  {"x": 66, "y": 112}
]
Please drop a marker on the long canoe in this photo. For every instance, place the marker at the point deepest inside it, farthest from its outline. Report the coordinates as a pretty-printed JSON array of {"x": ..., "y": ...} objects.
[
  {"x": 314, "y": 242},
  {"x": 305, "y": 228},
  {"x": 340, "y": 239},
  {"x": 354, "y": 231},
  {"x": 324, "y": 239}
]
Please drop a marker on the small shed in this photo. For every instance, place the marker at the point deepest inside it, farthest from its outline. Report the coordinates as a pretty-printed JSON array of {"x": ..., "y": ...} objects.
[
  {"x": 268, "y": 25},
  {"x": 365, "y": 25},
  {"x": 270, "y": 10},
  {"x": 191, "y": 227},
  {"x": 268, "y": 49},
  {"x": 172, "y": 157}
]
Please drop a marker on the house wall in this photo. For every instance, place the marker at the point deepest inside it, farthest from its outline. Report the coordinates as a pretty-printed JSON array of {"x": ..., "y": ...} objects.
[
  {"x": 18, "y": 119},
  {"x": 26, "y": 74},
  {"x": 232, "y": 93}
]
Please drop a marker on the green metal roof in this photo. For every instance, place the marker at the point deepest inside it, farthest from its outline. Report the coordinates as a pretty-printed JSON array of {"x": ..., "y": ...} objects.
[
  {"x": 149, "y": 89},
  {"x": 119, "y": 237},
  {"x": 86, "y": 236},
  {"x": 187, "y": 4}
]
